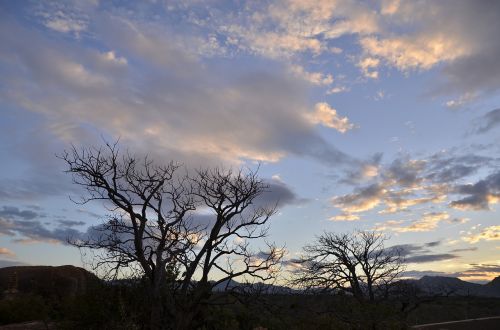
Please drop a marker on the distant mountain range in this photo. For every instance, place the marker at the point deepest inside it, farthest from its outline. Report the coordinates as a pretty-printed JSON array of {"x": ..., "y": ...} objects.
[
  {"x": 256, "y": 287},
  {"x": 432, "y": 285},
  {"x": 72, "y": 280},
  {"x": 456, "y": 287}
]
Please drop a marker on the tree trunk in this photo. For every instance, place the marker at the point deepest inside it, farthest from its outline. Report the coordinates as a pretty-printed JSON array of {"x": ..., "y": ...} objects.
[
  {"x": 371, "y": 295},
  {"x": 156, "y": 310},
  {"x": 185, "y": 317}
]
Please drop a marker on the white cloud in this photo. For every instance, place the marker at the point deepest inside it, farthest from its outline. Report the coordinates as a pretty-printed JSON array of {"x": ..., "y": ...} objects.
[
  {"x": 315, "y": 78},
  {"x": 428, "y": 222},
  {"x": 113, "y": 58},
  {"x": 65, "y": 17},
  {"x": 369, "y": 67},
  {"x": 407, "y": 53},
  {"x": 345, "y": 217},
  {"x": 390, "y": 7},
  {"x": 65, "y": 25},
  {"x": 337, "y": 90},
  {"x": 327, "y": 116},
  {"x": 462, "y": 100}
]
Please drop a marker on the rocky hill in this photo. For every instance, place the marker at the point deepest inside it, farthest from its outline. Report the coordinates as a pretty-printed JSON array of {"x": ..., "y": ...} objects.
[{"x": 58, "y": 281}]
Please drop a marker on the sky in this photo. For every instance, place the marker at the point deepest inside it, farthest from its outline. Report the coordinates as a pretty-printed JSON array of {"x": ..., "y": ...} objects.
[{"x": 364, "y": 115}]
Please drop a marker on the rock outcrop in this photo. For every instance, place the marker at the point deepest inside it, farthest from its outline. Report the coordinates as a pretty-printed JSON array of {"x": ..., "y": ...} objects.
[{"x": 61, "y": 281}]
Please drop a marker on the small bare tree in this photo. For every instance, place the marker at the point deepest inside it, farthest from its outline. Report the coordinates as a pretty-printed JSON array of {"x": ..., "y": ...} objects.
[
  {"x": 155, "y": 228},
  {"x": 356, "y": 263}
]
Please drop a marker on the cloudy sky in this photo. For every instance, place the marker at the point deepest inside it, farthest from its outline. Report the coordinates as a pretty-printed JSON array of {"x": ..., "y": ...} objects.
[{"x": 376, "y": 115}]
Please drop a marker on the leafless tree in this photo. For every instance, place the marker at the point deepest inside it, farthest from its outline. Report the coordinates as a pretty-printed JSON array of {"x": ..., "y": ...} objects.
[
  {"x": 156, "y": 228},
  {"x": 225, "y": 249},
  {"x": 356, "y": 263}
]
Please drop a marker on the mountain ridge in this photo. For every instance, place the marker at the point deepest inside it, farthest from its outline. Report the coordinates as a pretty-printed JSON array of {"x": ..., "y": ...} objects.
[
  {"x": 447, "y": 285},
  {"x": 74, "y": 279}
]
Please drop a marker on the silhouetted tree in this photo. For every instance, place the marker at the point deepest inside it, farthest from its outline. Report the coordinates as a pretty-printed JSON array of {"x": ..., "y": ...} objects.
[
  {"x": 356, "y": 263},
  {"x": 156, "y": 230}
]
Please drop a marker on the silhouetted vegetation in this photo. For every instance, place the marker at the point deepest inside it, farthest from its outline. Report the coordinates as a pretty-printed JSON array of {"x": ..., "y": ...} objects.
[{"x": 121, "y": 305}]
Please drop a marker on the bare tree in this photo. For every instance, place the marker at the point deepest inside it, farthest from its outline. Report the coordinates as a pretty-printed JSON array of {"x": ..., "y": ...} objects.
[
  {"x": 356, "y": 263},
  {"x": 225, "y": 249},
  {"x": 155, "y": 228}
]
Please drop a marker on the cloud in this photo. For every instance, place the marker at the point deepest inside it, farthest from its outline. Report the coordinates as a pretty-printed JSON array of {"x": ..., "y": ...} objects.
[
  {"x": 405, "y": 172},
  {"x": 280, "y": 194},
  {"x": 23, "y": 226},
  {"x": 488, "y": 121},
  {"x": 476, "y": 272},
  {"x": 71, "y": 223},
  {"x": 180, "y": 106},
  {"x": 489, "y": 268},
  {"x": 6, "y": 252},
  {"x": 399, "y": 201},
  {"x": 433, "y": 244},
  {"x": 447, "y": 167},
  {"x": 62, "y": 23},
  {"x": 479, "y": 195},
  {"x": 407, "y": 182},
  {"x": 368, "y": 66},
  {"x": 10, "y": 212},
  {"x": 473, "y": 248},
  {"x": 428, "y": 222},
  {"x": 315, "y": 78},
  {"x": 421, "y": 253},
  {"x": 407, "y": 53},
  {"x": 345, "y": 217},
  {"x": 430, "y": 258},
  {"x": 389, "y": 7},
  {"x": 461, "y": 101},
  {"x": 337, "y": 90},
  {"x": 397, "y": 186},
  {"x": 360, "y": 200},
  {"x": 34, "y": 231},
  {"x": 458, "y": 220},
  {"x": 491, "y": 233},
  {"x": 89, "y": 213},
  {"x": 327, "y": 116},
  {"x": 68, "y": 17},
  {"x": 365, "y": 171},
  {"x": 290, "y": 27},
  {"x": 458, "y": 37},
  {"x": 111, "y": 57}
]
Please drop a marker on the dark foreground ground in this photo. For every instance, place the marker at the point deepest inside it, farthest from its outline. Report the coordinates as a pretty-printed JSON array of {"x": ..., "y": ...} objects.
[
  {"x": 488, "y": 323},
  {"x": 34, "y": 325}
]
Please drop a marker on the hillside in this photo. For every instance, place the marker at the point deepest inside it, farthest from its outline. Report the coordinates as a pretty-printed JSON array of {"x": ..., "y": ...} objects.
[
  {"x": 45, "y": 280},
  {"x": 456, "y": 287}
]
